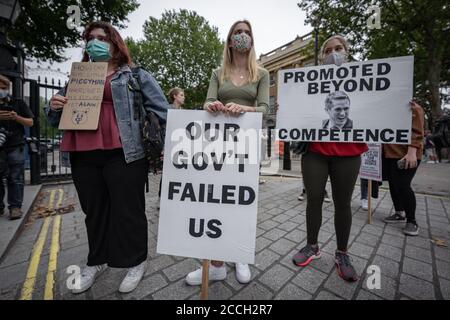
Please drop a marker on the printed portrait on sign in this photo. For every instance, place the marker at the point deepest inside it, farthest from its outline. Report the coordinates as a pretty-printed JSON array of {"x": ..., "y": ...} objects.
[{"x": 337, "y": 106}]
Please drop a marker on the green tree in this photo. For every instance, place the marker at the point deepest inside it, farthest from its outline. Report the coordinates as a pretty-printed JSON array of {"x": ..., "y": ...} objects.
[
  {"x": 181, "y": 49},
  {"x": 408, "y": 27},
  {"x": 42, "y": 30}
]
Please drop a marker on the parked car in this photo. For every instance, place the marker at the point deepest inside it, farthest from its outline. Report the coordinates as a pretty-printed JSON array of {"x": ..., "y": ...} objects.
[{"x": 46, "y": 144}]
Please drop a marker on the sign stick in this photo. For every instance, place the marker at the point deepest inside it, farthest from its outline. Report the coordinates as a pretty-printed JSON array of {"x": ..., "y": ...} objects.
[
  {"x": 205, "y": 280},
  {"x": 370, "y": 201}
]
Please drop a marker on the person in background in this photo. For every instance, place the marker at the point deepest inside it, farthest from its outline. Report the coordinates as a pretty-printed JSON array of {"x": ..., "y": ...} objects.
[
  {"x": 238, "y": 86},
  {"x": 400, "y": 164},
  {"x": 176, "y": 98},
  {"x": 15, "y": 115},
  {"x": 364, "y": 185},
  {"x": 430, "y": 152}
]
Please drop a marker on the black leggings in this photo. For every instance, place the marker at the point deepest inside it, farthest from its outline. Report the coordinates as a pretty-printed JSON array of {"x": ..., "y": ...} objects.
[
  {"x": 402, "y": 194},
  {"x": 111, "y": 194},
  {"x": 343, "y": 172}
]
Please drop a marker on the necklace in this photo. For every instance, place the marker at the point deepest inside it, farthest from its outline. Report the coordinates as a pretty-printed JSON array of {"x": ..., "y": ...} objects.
[{"x": 241, "y": 76}]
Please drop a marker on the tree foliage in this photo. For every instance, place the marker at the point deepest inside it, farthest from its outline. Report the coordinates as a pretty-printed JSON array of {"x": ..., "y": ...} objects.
[
  {"x": 42, "y": 28},
  {"x": 408, "y": 27},
  {"x": 180, "y": 49}
]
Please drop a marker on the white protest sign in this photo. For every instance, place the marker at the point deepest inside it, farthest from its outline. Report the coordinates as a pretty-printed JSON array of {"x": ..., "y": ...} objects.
[
  {"x": 84, "y": 95},
  {"x": 356, "y": 102},
  {"x": 371, "y": 167},
  {"x": 209, "y": 195}
]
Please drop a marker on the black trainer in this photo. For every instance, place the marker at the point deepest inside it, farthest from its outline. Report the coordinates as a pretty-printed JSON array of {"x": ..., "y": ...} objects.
[
  {"x": 395, "y": 218},
  {"x": 411, "y": 229}
]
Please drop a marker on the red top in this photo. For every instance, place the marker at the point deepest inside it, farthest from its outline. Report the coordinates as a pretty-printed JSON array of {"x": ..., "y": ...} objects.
[
  {"x": 106, "y": 137},
  {"x": 339, "y": 149}
]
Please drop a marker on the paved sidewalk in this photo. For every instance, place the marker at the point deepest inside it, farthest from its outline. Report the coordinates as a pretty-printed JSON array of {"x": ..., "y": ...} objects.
[
  {"x": 411, "y": 267},
  {"x": 10, "y": 230}
]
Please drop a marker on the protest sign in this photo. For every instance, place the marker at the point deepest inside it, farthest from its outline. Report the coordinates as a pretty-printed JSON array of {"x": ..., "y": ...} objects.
[
  {"x": 84, "y": 95},
  {"x": 209, "y": 195},
  {"x": 356, "y": 102},
  {"x": 371, "y": 168}
]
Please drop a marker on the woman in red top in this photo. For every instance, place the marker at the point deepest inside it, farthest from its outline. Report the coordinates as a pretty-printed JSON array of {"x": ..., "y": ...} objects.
[{"x": 340, "y": 162}]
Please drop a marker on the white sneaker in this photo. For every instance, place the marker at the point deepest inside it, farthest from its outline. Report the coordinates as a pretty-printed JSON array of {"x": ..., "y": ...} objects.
[
  {"x": 87, "y": 277},
  {"x": 365, "y": 204},
  {"x": 243, "y": 274},
  {"x": 215, "y": 274},
  {"x": 133, "y": 277}
]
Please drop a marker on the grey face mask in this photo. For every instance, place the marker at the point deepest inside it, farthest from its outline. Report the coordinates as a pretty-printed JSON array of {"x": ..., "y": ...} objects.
[
  {"x": 3, "y": 93},
  {"x": 335, "y": 58}
]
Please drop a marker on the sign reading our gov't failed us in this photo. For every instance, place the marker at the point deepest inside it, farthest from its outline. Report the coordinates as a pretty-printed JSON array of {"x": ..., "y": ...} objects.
[
  {"x": 355, "y": 102},
  {"x": 209, "y": 194}
]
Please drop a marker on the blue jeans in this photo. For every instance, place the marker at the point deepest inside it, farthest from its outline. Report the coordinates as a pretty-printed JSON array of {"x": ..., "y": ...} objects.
[{"x": 14, "y": 177}]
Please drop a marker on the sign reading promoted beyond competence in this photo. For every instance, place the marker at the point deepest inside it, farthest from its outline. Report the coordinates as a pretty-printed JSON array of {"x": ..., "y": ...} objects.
[
  {"x": 209, "y": 194},
  {"x": 84, "y": 95},
  {"x": 355, "y": 102}
]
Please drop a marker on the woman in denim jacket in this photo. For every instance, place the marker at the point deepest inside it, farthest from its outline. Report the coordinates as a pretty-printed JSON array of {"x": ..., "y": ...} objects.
[{"x": 109, "y": 169}]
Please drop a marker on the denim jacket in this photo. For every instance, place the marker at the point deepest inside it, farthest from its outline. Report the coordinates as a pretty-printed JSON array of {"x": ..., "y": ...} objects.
[{"x": 129, "y": 128}]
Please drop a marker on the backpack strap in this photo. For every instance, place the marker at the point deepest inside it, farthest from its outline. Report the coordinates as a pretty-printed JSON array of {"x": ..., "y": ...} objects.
[{"x": 135, "y": 85}]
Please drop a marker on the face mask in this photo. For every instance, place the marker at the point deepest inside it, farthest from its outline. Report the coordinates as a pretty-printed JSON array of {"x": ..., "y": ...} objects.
[
  {"x": 98, "y": 50},
  {"x": 335, "y": 58},
  {"x": 242, "y": 42},
  {"x": 3, "y": 93}
]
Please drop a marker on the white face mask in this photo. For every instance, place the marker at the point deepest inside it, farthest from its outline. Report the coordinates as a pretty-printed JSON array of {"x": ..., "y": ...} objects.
[
  {"x": 336, "y": 58},
  {"x": 4, "y": 93}
]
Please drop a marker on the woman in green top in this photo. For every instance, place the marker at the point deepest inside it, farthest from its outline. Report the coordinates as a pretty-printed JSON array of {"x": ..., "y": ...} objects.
[{"x": 238, "y": 86}]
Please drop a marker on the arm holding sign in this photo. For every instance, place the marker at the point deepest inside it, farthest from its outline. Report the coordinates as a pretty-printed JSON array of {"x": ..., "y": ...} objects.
[
  {"x": 416, "y": 137},
  {"x": 263, "y": 92},
  {"x": 212, "y": 103},
  {"x": 54, "y": 108}
]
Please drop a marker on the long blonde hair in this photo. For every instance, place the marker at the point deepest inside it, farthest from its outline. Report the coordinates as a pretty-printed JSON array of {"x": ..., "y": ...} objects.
[{"x": 227, "y": 60}]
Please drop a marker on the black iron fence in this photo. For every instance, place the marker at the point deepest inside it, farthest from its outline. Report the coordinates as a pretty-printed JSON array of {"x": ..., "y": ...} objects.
[{"x": 49, "y": 164}]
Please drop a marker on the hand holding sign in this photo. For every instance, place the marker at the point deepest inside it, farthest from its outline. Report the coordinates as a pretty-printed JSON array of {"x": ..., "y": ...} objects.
[
  {"x": 57, "y": 102},
  {"x": 215, "y": 106}
]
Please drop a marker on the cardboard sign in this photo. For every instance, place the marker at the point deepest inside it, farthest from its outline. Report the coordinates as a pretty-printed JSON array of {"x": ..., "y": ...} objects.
[
  {"x": 84, "y": 94},
  {"x": 364, "y": 101},
  {"x": 209, "y": 195},
  {"x": 371, "y": 164}
]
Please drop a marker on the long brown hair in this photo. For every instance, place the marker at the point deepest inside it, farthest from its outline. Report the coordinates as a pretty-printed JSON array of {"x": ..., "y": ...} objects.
[{"x": 120, "y": 54}]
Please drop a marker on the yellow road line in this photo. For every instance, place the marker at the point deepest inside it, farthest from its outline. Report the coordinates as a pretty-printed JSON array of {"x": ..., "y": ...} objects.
[
  {"x": 52, "y": 199},
  {"x": 30, "y": 281},
  {"x": 28, "y": 285},
  {"x": 54, "y": 249},
  {"x": 60, "y": 199}
]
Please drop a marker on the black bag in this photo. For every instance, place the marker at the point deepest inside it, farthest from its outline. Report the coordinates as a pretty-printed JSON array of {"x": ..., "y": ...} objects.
[
  {"x": 152, "y": 130},
  {"x": 299, "y": 147}
]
